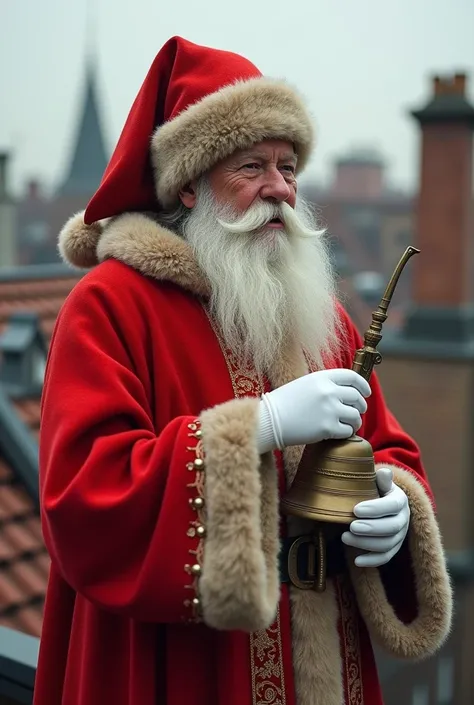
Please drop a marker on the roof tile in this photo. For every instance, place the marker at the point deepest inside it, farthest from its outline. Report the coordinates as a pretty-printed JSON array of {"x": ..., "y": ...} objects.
[{"x": 24, "y": 562}]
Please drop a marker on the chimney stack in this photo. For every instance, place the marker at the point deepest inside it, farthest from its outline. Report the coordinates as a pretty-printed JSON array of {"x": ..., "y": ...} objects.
[
  {"x": 451, "y": 85},
  {"x": 428, "y": 368},
  {"x": 443, "y": 292}
]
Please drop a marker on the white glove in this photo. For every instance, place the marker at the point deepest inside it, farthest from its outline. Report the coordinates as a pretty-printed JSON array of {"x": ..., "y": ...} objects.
[
  {"x": 384, "y": 526},
  {"x": 312, "y": 408}
]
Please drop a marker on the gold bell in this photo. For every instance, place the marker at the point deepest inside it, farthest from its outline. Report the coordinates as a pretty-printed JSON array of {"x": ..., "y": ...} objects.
[{"x": 334, "y": 476}]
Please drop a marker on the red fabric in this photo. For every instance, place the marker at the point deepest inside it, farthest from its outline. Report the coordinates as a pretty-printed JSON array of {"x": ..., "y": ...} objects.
[
  {"x": 181, "y": 74},
  {"x": 132, "y": 362}
]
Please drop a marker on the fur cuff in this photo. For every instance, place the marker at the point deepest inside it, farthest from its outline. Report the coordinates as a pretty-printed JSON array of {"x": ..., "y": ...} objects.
[
  {"x": 424, "y": 635},
  {"x": 235, "y": 117},
  {"x": 239, "y": 586}
]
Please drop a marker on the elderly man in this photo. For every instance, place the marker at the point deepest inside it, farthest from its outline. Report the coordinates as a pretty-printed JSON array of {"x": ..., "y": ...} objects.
[{"x": 187, "y": 371}]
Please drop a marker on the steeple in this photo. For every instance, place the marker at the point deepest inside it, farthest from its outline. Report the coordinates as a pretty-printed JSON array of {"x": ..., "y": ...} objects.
[{"x": 89, "y": 154}]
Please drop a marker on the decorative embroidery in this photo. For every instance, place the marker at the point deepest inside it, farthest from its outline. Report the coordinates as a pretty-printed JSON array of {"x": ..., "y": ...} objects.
[
  {"x": 352, "y": 669},
  {"x": 266, "y": 653},
  {"x": 266, "y": 662},
  {"x": 197, "y": 527},
  {"x": 245, "y": 380}
]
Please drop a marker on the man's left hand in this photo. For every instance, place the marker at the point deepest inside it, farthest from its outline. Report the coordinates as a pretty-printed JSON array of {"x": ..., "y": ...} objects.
[{"x": 381, "y": 525}]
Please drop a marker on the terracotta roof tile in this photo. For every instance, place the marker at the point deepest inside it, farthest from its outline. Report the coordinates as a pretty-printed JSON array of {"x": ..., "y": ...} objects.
[
  {"x": 12, "y": 502},
  {"x": 29, "y": 619},
  {"x": 44, "y": 296},
  {"x": 4, "y": 471},
  {"x": 22, "y": 540},
  {"x": 29, "y": 412},
  {"x": 24, "y": 562}
]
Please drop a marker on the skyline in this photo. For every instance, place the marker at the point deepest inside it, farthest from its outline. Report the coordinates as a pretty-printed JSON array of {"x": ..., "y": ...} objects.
[{"x": 378, "y": 70}]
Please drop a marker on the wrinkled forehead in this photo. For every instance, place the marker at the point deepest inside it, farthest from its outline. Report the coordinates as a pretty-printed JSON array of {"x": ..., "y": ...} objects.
[{"x": 267, "y": 150}]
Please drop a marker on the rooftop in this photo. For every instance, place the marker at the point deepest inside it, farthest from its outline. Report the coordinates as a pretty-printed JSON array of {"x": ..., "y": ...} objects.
[{"x": 24, "y": 563}]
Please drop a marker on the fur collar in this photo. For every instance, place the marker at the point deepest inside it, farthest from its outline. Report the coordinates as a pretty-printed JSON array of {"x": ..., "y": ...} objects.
[{"x": 138, "y": 240}]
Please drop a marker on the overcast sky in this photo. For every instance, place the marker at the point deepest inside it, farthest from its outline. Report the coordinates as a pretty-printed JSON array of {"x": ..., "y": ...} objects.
[{"x": 361, "y": 64}]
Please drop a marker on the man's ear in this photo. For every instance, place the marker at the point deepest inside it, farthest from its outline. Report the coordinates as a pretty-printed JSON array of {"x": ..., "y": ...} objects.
[{"x": 187, "y": 195}]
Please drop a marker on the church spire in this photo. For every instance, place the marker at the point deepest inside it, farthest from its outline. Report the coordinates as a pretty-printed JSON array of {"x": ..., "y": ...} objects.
[{"x": 89, "y": 154}]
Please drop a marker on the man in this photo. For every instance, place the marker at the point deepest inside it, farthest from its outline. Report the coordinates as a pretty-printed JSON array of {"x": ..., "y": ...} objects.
[{"x": 186, "y": 373}]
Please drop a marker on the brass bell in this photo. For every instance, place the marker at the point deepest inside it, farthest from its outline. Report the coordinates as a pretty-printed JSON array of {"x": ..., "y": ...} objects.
[{"x": 334, "y": 476}]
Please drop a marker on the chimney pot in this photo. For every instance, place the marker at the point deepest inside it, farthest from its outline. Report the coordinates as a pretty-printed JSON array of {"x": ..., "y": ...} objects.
[
  {"x": 450, "y": 85},
  {"x": 460, "y": 83}
]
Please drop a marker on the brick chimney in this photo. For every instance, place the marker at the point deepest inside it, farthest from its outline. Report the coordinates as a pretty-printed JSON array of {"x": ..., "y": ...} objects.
[
  {"x": 444, "y": 272},
  {"x": 428, "y": 367}
]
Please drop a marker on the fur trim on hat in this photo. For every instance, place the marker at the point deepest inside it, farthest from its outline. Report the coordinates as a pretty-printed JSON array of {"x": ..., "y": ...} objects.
[
  {"x": 235, "y": 117},
  {"x": 77, "y": 243}
]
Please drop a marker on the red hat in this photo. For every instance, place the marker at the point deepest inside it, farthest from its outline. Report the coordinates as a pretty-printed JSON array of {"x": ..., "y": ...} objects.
[{"x": 196, "y": 106}]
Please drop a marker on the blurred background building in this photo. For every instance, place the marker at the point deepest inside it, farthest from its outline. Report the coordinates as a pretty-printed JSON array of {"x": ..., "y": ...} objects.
[
  {"x": 40, "y": 217},
  {"x": 428, "y": 348}
]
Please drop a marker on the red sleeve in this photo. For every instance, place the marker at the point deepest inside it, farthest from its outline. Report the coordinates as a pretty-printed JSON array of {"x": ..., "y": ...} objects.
[
  {"x": 114, "y": 494},
  {"x": 137, "y": 519}
]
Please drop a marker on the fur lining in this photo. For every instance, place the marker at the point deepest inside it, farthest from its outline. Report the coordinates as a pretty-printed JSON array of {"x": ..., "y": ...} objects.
[
  {"x": 428, "y": 631},
  {"x": 240, "y": 584},
  {"x": 235, "y": 117},
  {"x": 155, "y": 251},
  {"x": 137, "y": 240},
  {"x": 77, "y": 242},
  {"x": 316, "y": 649}
]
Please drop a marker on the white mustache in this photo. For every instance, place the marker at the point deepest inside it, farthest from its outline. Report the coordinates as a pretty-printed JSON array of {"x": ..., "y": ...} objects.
[{"x": 260, "y": 214}]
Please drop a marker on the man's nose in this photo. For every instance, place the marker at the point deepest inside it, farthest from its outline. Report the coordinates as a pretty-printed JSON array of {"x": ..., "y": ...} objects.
[{"x": 275, "y": 186}]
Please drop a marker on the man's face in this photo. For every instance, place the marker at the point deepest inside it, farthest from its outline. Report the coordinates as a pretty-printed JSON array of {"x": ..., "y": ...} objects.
[
  {"x": 265, "y": 172},
  {"x": 269, "y": 280}
]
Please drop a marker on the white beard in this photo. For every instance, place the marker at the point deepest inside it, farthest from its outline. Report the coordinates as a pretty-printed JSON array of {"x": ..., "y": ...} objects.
[{"x": 268, "y": 285}]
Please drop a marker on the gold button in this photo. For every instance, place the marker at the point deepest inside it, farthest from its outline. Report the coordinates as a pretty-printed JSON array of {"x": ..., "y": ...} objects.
[
  {"x": 196, "y": 602},
  {"x": 196, "y": 502},
  {"x": 196, "y": 569},
  {"x": 201, "y": 531},
  {"x": 198, "y": 433},
  {"x": 199, "y": 463}
]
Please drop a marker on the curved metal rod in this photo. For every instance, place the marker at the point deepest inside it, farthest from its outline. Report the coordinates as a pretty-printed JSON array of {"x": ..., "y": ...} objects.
[{"x": 387, "y": 297}]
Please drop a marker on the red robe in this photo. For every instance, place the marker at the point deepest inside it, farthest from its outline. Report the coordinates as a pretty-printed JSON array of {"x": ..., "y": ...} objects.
[{"x": 162, "y": 520}]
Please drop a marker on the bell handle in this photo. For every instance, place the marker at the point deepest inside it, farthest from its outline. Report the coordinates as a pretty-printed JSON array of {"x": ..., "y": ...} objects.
[{"x": 368, "y": 356}]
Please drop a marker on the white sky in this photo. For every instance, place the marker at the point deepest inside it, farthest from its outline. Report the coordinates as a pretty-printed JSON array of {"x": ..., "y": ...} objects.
[{"x": 360, "y": 63}]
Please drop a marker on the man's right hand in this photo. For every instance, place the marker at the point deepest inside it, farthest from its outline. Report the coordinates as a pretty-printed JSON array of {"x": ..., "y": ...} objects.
[{"x": 315, "y": 407}]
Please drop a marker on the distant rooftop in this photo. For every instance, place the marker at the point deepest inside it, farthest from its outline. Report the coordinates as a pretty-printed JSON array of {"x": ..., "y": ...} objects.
[{"x": 361, "y": 156}]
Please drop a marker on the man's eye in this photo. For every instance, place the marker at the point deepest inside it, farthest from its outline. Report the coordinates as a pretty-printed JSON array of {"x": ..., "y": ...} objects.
[
  {"x": 251, "y": 165},
  {"x": 289, "y": 167}
]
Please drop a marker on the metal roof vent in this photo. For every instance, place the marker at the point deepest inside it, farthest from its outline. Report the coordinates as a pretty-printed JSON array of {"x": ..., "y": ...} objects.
[{"x": 23, "y": 354}]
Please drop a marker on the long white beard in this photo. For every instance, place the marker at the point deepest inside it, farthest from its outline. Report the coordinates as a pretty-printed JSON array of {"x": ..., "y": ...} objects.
[{"x": 267, "y": 285}]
